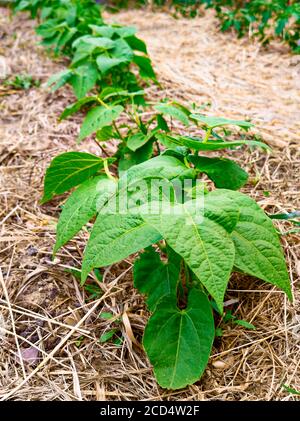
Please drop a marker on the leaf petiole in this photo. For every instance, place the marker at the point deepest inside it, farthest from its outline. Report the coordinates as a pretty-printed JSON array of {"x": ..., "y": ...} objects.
[
  {"x": 107, "y": 171},
  {"x": 207, "y": 135},
  {"x": 102, "y": 102}
]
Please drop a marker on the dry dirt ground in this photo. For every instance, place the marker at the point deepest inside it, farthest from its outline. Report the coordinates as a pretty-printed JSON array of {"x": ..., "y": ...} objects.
[{"x": 49, "y": 325}]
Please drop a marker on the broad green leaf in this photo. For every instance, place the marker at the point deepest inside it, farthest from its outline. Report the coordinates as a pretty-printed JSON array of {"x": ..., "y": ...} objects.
[
  {"x": 180, "y": 152},
  {"x": 106, "y": 133},
  {"x": 65, "y": 37},
  {"x": 125, "y": 31},
  {"x": 221, "y": 207},
  {"x": 122, "y": 50},
  {"x": 257, "y": 247},
  {"x": 67, "y": 170},
  {"x": 201, "y": 241},
  {"x": 103, "y": 30},
  {"x": 179, "y": 341},
  {"x": 183, "y": 108},
  {"x": 161, "y": 123},
  {"x": 156, "y": 278},
  {"x": 73, "y": 108},
  {"x": 137, "y": 182},
  {"x": 22, "y": 5},
  {"x": 114, "y": 237},
  {"x": 81, "y": 206},
  {"x": 145, "y": 66},
  {"x": 50, "y": 41},
  {"x": 174, "y": 112},
  {"x": 166, "y": 167},
  {"x": 225, "y": 173},
  {"x": 213, "y": 122},
  {"x": 81, "y": 57},
  {"x": 195, "y": 190},
  {"x": 281, "y": 23},
  {"x": 211, "y": 145},
  {"x": 50, "y": 28},
  {"x": 89, "y": 43},
  {"x": 137, "y": 140},
  {"x": 97, "y": 118},
  {"x": 59, "y": 79},
  {"x": 84, "y": 79},
  {"x": 131, "y": 158},
  {"x": 136, "y": 44},
  {"x": 106, "y": 63}
]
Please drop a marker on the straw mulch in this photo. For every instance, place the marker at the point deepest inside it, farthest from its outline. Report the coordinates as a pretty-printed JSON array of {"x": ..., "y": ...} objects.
[{"x": 49, "y": 325}]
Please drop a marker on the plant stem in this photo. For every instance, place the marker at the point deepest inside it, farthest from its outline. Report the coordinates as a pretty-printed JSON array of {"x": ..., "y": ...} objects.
[
  {"x": 107, "y": 171},
  {"x": 101, "y": 147},
  {"x": 186, "y": 162},
  {"x": 102, "y": 102},
  {"x": 117, "y": 130},
  {"x": 207, "y": 135},
  {"x": 157, "y": 146}
]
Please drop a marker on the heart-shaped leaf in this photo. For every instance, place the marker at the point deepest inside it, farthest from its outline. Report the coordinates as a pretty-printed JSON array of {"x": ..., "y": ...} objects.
[
  {"x": 84, "y": 79},
  {"x": 203, "y": 243},
  {"x": 225, "y": 173},
  {"x": 179, "y": 341},
  {"x": 67, "y": 170},
  {"x": 81, "y": 206},
  {"x": 174, "y": 112},
  {"x": 114, "y": 237},
  {"x": 97, "y": 118},
  {"x": 257, "y": 246}
]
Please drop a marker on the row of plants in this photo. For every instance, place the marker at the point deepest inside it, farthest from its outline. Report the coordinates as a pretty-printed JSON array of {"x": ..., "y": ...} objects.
[
  {"x": 151, "y": 196},
  {"x": 262, "y": 19}
]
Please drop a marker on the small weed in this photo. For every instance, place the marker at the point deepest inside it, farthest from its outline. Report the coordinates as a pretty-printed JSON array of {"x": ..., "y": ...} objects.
[{"x": 22, "y": 81}]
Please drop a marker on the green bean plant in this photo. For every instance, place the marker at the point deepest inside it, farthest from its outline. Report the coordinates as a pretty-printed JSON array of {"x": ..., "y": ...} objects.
[
  {"x": 262, "y": 19},
  {"x": 161, "y": 194}
]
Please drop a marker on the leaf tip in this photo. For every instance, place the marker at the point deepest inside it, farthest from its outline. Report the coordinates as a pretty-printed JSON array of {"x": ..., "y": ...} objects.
[
  {"x": 56, "y": 247},
  {"x": 84, "y": 275},
  {"x": 46, "y": 198},
  {"x": 289, "y": 293}
]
